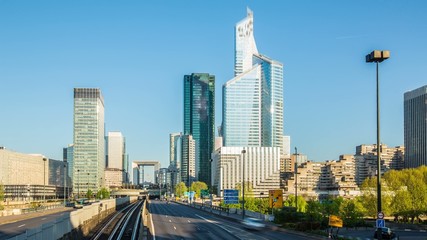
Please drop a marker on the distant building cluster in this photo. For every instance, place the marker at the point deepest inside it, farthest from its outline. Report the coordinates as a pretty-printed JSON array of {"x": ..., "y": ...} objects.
[{"x": 337, "y": 178}]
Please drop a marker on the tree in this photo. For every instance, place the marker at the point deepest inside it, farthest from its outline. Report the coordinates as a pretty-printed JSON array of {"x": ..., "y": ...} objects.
[
  {"x": 197, "y": 187},
  {"x": 103, "y": 193},
  {"x": 1, "y": 192},
  {"x": 351, "y": 212},
  {"x": 180, "y": 188},
  {"x": 290, "y": 202},
  {"x": 1, "y": 195},
  {"x": 89, "y": 194}
]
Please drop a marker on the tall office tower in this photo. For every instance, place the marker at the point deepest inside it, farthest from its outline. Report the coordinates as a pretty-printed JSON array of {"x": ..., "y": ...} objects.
[
  {"x": 188, "y": 160},
  {"x": 175, "y": 149},
  {"x": 115, "y": 150},
  {"x": 68, "y": 157},
  {"x": 199, "y": 119},
  {"x": 286, "y": 149},
  {"x": 89, "y": 142},
  {"x": 116, "y": 157},
  {"x": 245, "y": 46},
  {"x": 175, "y": 158},
  {"x": 253, "y": 99},
  {"x": 135, "y": 174},
  {"x": 415, "y": 127}
]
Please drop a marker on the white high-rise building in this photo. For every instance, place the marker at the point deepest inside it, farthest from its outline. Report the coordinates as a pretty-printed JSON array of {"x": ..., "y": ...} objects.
[
  {"x": 89, "y": 142},
  {"x": 253, "y": 99},
  {"x": 261, "y": 168},
  {"x": 245, "y": 46},
  {"x": 116, "y": 150}
]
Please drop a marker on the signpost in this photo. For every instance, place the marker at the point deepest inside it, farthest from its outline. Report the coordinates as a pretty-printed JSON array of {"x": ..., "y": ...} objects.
[
  {"x": 380, "y": 215},
  {"x": 276, "y": 198},
  {"x": 204, "y": 193},
  {"x": 335, "y": 221},
  {"x": 380, "y": 223},
  {"x": 231, "y": 196}
]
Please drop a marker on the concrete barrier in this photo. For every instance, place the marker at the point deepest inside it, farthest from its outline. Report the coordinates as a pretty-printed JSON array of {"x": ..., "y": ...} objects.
[{"x": 75, "y": 224}]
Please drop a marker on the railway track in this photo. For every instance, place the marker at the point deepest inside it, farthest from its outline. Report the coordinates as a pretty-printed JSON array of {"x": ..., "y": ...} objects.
[{"x": 122, "y": 225}]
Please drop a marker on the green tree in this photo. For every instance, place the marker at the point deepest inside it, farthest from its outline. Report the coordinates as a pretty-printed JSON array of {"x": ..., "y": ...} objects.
[
  {"x": 290, "y": 202},
  {"x": 369, "y": 197},
  {"x": 197, "y": 186},
  {"x": 351, "y": 212},
  {"x": 180, "y": 188},
  {"x": 103, "y": 193},
  {"x": 1, "y": 192},
  {"x": 89, "y": 194},
  {"x": 1, "y": 195},
  {"x": 314, "y": 211}
]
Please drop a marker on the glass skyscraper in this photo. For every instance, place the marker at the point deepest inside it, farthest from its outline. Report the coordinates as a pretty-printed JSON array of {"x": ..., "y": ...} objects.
[
  {"x": 415, "y": 127},
  {"x": 199, "y": 119},
  {"x": 89, "y": 142},
  {"x": 253, "y": 99}
]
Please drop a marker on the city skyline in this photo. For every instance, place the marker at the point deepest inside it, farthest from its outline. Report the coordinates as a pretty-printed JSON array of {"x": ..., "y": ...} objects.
[{"x": 329, "y": 90}]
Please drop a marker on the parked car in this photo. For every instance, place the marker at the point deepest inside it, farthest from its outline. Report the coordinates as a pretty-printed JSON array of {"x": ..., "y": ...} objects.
[
  {"x": 253, "y": 224},
  {"x": 386, "y": 233}
]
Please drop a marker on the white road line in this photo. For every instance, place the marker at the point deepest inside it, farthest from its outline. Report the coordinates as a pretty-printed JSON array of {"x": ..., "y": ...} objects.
[
  {"x": 43, "y": 218},
  {"x": 21, "y": 225},
  {"x": 152, "y": 225},
  {"x": 189, "y": 221},
  {"x": 174, "y": 227},
  {"x": 170, "y": 220}
]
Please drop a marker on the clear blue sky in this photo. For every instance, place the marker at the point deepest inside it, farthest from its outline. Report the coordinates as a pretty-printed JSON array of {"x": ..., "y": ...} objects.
[{"x": 137, "y": 52}]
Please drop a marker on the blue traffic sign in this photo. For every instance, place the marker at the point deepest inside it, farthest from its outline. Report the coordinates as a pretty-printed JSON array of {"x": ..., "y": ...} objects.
[
  {"x": 231, "y": 196},
  {"x": 380, "y": 223}
]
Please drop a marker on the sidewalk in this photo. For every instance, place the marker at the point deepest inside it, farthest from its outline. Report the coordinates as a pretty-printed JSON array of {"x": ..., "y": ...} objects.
[{"x": 20, "y": 217}]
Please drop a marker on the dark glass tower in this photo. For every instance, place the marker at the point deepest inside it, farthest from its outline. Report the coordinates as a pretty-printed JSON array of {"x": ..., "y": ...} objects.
[
  {"x": 415, "y": 127},
  {"x": 199, "y": 119}
]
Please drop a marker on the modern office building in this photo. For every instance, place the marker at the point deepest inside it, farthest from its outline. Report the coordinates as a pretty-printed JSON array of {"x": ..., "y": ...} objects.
[
  {"x": 259, "y": 165},
  {"x": 175, "y": 149},
  {"x": 28, "y": 177},
  {"x": 113, "y": 178},
  {"x": 188, "y": 160},
  {"x": 253, "y": 99},
  {"x": 199, "y": 119},
  {"x": 415, "y": 127},
  {"x": 175, "y": 158},
  {"x": 116, "y": 157},
  {"x": 116, "y": 150},
  {"x": 89, "y": 141},
  {"x": 68, "y": 156}
]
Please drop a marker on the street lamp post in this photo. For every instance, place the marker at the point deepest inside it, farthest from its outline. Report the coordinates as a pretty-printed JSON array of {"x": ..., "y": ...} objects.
[
  {"x": 44, "y": 180},
  {"x": 243, "y": 184},
  {"x": 377, "y": 57}
]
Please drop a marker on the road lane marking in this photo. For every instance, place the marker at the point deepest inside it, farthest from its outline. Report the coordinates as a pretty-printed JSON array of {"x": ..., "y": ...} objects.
[
  {"x": 189, "y": 221},
  {"x": 21, "y": 225},
  {"x": 170, "y": 220},
  {"x": 174, "y": 227},
  {"x": 43, "y": 218}
]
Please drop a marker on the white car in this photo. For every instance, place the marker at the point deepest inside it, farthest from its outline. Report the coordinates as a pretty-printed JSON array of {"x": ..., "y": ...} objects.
[{"x": 253, "y": 223}]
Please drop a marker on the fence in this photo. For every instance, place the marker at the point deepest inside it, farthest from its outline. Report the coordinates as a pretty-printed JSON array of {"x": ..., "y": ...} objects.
[{"x": 75, "y": 221}]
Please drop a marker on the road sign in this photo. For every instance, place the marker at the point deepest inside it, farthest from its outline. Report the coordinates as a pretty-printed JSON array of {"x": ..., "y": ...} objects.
[
  {"x": 335, "y": 221},
  {"x": 276, "y": 198},
  {"x": 231, "y": 196},
  {"x": 380, "y": 215},
  {"x": 380, "y": 223},
  {"x": 204, "y": 193}
]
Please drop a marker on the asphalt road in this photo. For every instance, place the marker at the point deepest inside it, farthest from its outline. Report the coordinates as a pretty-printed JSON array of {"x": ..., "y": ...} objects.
[
  {"x": 176, "y": 221},
  {"x": 27, "y": 221}
]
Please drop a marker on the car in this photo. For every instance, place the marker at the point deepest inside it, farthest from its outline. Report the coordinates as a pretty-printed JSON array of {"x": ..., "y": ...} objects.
[
  {"x": 386, "y": 233},
  {"x": 253, "y": 224}
]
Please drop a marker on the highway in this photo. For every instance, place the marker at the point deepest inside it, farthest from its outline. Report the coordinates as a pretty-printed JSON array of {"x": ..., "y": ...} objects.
[
  {"x": 176, "y": 221},
  {"x": 20, "y": 223}
]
